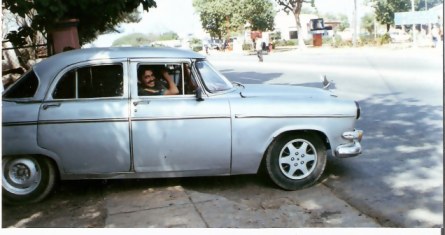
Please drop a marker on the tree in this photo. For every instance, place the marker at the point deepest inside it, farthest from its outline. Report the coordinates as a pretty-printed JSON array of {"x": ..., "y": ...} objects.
[
  {"x": 385, "y": 9},
  {"x": 139, "y": 39},
  {"x": 295, "y": 6},
  {"x": 259, "y": 13},
  {"x": 168, "y": 36},
  {"x": 220, "y": 17},
  {"x": 368, "y": 22},
  {"x": 135, "y": 39},
  {"x": 94, "y": 17}
]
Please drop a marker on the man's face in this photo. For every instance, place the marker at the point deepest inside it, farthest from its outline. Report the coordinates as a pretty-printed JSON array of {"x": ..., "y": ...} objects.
[{"x": 148, "y": 78}]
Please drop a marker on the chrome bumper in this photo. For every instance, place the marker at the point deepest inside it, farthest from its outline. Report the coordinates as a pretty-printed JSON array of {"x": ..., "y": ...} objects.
[{"x": 350, "y": 149}]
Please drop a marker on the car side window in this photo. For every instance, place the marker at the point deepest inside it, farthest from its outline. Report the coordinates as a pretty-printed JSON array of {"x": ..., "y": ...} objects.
[
  {"x": 25, "y": 87},
  {"x": 91, "y": 82}
]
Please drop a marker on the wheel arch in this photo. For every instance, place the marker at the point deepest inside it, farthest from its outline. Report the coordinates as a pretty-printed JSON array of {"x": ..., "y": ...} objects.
[{"x": 289, "y": 132}]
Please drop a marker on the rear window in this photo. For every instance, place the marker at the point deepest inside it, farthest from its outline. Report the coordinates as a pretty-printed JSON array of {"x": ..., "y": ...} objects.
[
  {"x": 91, "y": 82},
  {"x": 25, "y": 87}
]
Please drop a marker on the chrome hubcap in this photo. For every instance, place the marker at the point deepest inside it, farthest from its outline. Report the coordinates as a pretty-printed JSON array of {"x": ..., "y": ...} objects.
[
  {"x": 297, "y": 159},
  {"x": 21, "y": 176}
]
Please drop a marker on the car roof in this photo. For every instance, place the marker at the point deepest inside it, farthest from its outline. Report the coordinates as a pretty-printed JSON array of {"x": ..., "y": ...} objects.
[{"x": 48, "y": 68}]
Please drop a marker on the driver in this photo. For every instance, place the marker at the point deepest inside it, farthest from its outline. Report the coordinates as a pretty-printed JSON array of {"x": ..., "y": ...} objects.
[{"x": 150, "y": 85}]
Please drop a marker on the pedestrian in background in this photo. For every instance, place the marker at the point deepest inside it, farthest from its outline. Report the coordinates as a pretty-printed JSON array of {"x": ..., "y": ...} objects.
[
  {"x": 259, "y": 49},
  {"x": 435, "y": 35}
]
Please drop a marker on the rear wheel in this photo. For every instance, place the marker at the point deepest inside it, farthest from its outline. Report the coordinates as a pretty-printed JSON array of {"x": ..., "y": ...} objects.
[
  {"x": 27, "y": 179},
  {"x": 296, "y": 161}
]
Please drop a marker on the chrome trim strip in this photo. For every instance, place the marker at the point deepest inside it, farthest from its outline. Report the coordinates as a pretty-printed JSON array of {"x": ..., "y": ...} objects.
[
  {"x": 48, "y": 122},
  {"x": 82, "y": 121},
  {"x": 177, "y": 118},
  {"x": 6, "y": 124},
  {"x": 294, "y": 116}
]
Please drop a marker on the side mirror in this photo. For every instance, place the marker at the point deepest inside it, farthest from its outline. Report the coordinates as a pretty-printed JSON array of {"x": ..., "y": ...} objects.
[{"x": 199, "y": 94}]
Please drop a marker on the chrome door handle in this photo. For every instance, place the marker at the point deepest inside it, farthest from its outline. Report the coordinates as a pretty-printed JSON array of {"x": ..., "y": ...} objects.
[
  {"x": 46, "y": 106},
  {"x": 135, "y": 103}
]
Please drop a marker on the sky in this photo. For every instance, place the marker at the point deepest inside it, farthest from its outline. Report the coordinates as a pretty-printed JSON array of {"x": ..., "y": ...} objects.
[{"x": 179, "y": 16}]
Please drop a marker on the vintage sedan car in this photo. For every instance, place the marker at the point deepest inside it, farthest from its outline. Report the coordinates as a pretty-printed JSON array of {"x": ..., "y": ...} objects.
[{"x": 78, "y": 115}]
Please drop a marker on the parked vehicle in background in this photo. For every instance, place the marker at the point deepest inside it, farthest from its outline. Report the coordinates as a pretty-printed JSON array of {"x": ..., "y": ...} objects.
[
  {"x": 79, "y": 115},
  {"x": 398, "y": 36}
]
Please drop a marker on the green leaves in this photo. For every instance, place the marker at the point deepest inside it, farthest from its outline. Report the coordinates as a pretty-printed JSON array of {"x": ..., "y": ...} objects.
[
  {"x": 220, "y": 17},
  {"x": 19, "y": 37},
  {"x": 95, "y": 16},
  {"x": 385, "y": 9}
]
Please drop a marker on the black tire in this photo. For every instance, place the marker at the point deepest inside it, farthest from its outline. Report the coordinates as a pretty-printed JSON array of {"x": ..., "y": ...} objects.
[
  {"x": 27, "y": 179},
  {"x": 296, "y": 161}
]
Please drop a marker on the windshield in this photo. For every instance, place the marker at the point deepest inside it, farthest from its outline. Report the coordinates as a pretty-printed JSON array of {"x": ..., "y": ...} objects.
[{"x": 213, "y": 80}]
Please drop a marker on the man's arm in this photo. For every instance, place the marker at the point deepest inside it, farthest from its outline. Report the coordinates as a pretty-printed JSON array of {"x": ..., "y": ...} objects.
[{"x": 172, "y": 89}]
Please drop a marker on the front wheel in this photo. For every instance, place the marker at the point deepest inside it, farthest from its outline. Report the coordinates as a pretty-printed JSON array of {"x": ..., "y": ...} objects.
[
  {"x": 296, "y": 161},
  {"x": 27, "y": 179}
]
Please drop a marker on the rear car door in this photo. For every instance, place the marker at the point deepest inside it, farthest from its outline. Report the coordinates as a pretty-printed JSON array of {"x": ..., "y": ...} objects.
[{"x": 84, "y": 118}]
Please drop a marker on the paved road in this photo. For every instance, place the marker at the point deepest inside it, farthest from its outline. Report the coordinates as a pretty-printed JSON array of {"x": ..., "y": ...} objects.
[{"x": 398, "y": 180}]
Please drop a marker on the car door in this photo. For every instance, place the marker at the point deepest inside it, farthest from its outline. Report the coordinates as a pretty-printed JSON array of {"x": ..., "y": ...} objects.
[
  {"x": 177, "y": 135},
  {"x": 84, "y": 118}
]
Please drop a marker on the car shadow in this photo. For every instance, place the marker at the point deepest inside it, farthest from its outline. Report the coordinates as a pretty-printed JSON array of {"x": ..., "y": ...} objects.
[{"x": 402, "y": 161}]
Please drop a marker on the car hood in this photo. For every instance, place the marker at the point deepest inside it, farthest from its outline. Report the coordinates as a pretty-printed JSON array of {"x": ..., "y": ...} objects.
[
  {"x": 262, "y": 90},
  {"x": 290, "y": 101}
]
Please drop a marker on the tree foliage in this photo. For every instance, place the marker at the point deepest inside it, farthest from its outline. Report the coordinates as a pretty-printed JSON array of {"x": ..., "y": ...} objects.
[
  {"x": 94, "y": 16},
  {"x": 385, "y": 9},
  {"x": 294, "y": 7},
  {"x": 135, "y": 39},
  {"x": 220, "y": 17},
  {"x": 139, "y": 39},
  {"x": 367, "y": 22},
  {"x": 168, "y": 36}
]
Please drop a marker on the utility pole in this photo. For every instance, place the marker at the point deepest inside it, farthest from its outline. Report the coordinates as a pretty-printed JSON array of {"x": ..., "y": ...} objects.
[
  {"x": 354, "y": 23},
  {"x": 414, "y": 26}
]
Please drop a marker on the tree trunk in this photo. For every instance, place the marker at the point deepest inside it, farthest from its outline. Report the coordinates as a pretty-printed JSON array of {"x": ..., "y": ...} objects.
[{"x": 297, "y": 11}]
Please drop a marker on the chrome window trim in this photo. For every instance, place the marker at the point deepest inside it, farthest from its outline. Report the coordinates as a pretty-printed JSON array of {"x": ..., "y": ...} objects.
[
  {"x": 55, "y": 81},
  {"x": 160, "y": 61}
]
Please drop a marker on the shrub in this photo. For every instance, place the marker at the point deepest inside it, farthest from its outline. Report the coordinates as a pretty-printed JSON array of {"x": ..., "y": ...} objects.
[
  {"x": 286, "y": 43},
  {"x": 197, "y": 47},
  {"x": 247, "y": 47},
  {"x": 384, "y": 39}
]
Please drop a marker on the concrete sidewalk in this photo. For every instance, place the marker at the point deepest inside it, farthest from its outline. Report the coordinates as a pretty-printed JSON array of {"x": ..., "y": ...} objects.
[{"x": 176, "y": 207}]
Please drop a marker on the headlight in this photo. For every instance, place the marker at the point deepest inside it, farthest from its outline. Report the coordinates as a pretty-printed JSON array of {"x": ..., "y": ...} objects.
[{"x": 357, "y": 116}]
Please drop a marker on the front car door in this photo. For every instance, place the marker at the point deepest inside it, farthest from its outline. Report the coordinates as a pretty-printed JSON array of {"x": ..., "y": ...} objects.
[
  {"x": 176, "y": 135},
  {"x": 84, "y": 118}
]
